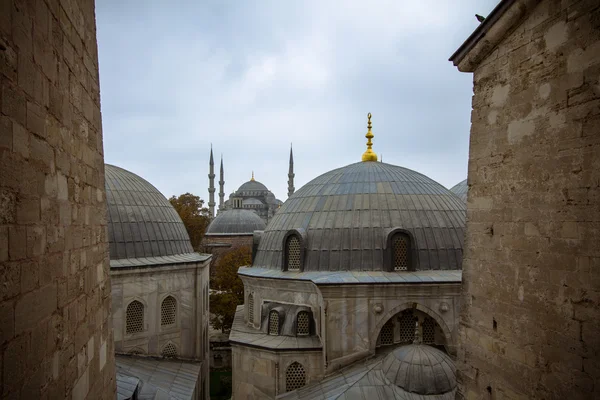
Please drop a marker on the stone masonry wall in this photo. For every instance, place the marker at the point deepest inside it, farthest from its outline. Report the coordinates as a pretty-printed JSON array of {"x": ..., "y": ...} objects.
[
  {"x": 529, "y": 329},
  {"x": 55, "y": 335}
]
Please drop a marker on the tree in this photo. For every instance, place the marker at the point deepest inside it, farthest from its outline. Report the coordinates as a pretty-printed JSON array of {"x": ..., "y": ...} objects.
[
  {"x": 195, "y": 217},
  {"x": 227, "y": 287}
]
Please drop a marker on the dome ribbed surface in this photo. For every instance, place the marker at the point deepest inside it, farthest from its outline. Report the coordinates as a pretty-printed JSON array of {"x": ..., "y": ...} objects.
[
  {"x": 460, "y": 189},
  {"x": 235, "y": 221},
  {"x": 348, "y": 212},
  {"x": 252, "y": 186},
  {"x": 141, "y": 221},
  {"x": 421, "y": 369}
]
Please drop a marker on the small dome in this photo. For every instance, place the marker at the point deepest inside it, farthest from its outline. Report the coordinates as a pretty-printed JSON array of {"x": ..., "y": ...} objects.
[
  {"x": 460, "y": 189},
  {"x": 347, "y": 214},
  {"x": 421, "y": 369},
  {"x": 141, "y": 221},
  {"x": 252, "y": 186},
  {"x": 236, "y": 221},
  {"x": 252, "y": 202}
]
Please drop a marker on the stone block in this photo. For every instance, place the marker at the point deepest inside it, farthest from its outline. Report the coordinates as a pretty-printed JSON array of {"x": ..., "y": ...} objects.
[
  {"x": 8, "y": 206},
  {"x": 36, "y": 241},
  {"x": 13, "y": 103},
  {"x": 7, "y": 321},
  {"x": 20, "y": 140},
  {"x": 15, "y": 351},
  {"x": 29, "y": 275},
  {"x": 35, "y": 306},
  {"x": 17, "y": 242}
]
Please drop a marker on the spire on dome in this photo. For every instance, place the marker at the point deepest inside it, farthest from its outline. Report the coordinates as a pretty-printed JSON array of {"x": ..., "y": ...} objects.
[
  {"x": 369, "y": 155},
  {"x": 252, "y": 179}
]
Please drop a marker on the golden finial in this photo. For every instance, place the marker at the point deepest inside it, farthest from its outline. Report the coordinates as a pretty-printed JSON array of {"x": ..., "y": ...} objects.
[
  {"x": 252, "y": 176},
  {"x": 369, "y": 155}
]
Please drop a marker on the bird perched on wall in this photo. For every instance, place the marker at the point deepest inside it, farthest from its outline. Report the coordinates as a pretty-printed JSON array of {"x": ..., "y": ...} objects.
[{"x": 480, "y": 18}]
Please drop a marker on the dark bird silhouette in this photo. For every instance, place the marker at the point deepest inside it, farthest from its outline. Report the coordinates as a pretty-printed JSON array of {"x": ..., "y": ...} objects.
[{"x": 480, "y": 18}]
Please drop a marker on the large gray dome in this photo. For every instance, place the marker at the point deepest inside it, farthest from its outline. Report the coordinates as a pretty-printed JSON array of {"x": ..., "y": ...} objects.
[
  {"x": 346, "y": 215},
  {"x": 460, "y": 189},
  {"x": 235, "y": 222},
  {"x": 253, "y": 186},
  {"x": 141, "y": 221},
  {"x": 421, "y": 369}
]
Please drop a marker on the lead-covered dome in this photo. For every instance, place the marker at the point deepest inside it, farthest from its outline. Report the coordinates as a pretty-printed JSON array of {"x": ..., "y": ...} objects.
[
  {"x": 235, "y": 222},
  {"x": 141, "y": 221},
  {"x": 252, "y": 186},
  {"x": 460, "y": 190},
  {"x": 344, "y": 219},
  {"x": 420, "y": 369}
]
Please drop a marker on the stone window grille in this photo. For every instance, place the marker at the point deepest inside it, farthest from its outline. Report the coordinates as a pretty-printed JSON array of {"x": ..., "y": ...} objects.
[
  {"x": 273, "y": 323},
  {"x": 169, "y": 350},
  {"x": 134, "y": 317},
  {"x": 251, "y": 309},
  {"x": 295, "y": 377},
  {"x": 386, "y": 336},
  {"x": 400, "y": 246},
  {"x": 168, "y": 311},
  {"x": 303, "y": 324},
  {"x": 293, "y": 253},
  {"x": 407, "y": 328},
  {"x": 428, "y": 330}
]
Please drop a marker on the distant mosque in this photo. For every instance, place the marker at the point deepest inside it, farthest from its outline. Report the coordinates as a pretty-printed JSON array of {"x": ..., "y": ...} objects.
[{"x": 252, "y": 195}]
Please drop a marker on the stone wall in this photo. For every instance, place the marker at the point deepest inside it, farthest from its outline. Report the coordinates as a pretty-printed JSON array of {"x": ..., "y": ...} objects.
[
  {"x": 55, "y": 334},
  {"x": 532, "y": 263}
]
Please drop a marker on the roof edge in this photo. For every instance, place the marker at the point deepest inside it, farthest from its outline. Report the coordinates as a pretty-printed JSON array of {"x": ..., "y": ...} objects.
[{"x": 490, "y": 33}]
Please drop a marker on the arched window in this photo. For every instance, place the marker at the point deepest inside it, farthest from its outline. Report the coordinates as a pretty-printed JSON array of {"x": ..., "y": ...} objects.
[
  {"x": 293, "y": 253},
  {"x": 169, "y": 350},
  {"x": 251, "y": 309},
  {"x": 400, "y": 252},
  {"x": 303, "y": 323},
  {"x": 273, "y": 323},
  {"x": 386, "y": 336},
  {"x": 168, "y": 311},
  {"x": 295, "y": 377},
  {"x": 407, "y": 327},
  {"x": 428, "y": 330},
  {"x": 134, "y": 317}
]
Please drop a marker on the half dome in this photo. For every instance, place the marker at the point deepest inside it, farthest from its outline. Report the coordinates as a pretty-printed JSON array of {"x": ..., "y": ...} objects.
[
  {"x": 421, "y": 369},
  {"x": 460, "y": 190},
  {"x": 347, "y": 214},
  {"x": 235, "y": 222},
  {"x": 141, "y": 221}
]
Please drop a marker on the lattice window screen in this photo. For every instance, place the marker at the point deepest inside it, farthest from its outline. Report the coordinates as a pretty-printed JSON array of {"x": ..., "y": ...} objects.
[
  {"x": 168, "y": 311},
  {"x": 303, "y": 323},
  {"x": 400, "y": 247},
  {"x": 295, "y": 377},
  {"x": 386, "y": 336},
  {"x": 169, "y": 350},
  {"x": 134, "y": 317},
  {"x": 293, "y": 256},
  {"x": 273, "y": 323},
  {"x": 251, "y": 309},
  {"x": 429, "y": 330},
  {"x": 407, "y": 328}
]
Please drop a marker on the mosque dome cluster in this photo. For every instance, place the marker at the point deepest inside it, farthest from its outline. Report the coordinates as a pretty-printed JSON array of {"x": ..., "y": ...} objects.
[{"x": 234, "y": 222}]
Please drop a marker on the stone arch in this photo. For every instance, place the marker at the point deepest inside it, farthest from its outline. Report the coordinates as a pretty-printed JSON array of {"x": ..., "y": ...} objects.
[{"x": 374, "y": 333}]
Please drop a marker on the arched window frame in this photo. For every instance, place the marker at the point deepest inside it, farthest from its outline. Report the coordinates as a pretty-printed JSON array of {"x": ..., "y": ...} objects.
[
  {"x": 310, "y": 323},
  {"x": 288, "y": 387},
  {"x": 162, "y": 351},
  {"x": 176, "y": 323},
  {"x": 300, "y": 234},
  {"x": 250, "y": 309},
  {"x": 144, "y": 308},
  {"x": 389, "y": 250},
  {"x": 279, "y": 322}
]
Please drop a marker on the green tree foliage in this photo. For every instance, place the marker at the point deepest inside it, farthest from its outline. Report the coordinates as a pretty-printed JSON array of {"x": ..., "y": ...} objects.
[
  {"x": 227, "y": 287},
  {"x": 195, "y": 217}
]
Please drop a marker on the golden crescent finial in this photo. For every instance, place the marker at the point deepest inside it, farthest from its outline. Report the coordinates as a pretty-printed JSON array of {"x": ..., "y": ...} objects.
[
  {"x": 252, "y": 176},
  {"x": 369, "y": 155}
]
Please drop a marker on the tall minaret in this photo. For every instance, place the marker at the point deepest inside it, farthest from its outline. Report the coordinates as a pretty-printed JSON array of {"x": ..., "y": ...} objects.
[
  {"x": 211, "y": 186},
  {"x": 291, "y": 174},
  {"x": 221, "y": 186}
]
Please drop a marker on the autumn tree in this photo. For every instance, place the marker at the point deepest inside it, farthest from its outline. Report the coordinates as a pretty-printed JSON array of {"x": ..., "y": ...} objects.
[
  {"x": 227, "y": 288},
  {"x": 195, "y": 217}
]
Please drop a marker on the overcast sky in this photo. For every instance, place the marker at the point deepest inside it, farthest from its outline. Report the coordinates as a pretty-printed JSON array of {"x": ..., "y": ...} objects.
[{"x": 251, "y": 77}]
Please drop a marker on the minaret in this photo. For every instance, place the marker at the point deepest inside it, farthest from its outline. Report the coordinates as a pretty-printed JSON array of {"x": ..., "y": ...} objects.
[
  {"x": 291, "y": 174},
  {"x": 221, "y": 186},
  {"x": 369, "y": 155},
  {"x": 211, "y": 185}
]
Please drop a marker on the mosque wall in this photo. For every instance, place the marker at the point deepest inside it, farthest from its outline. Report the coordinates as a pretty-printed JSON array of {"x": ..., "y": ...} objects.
[
  {"x": 529, "y": 329},
  {"x": 358, "y": 313},
  {"x": 55, "y": 327},
  {"x": 188, "y": 284}
]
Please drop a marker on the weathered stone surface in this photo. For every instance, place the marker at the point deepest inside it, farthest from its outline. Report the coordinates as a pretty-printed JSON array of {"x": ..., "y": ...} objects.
[
  {"x": 47, "y": 309},
  {"x": 531, "y": 297}
]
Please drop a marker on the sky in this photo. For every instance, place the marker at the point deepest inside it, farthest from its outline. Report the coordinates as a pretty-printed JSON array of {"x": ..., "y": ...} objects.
[{"x": 254, "y": 77}]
